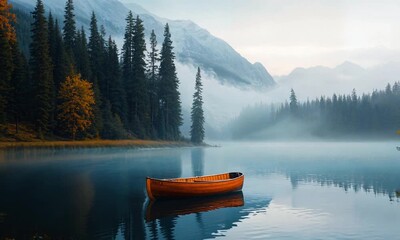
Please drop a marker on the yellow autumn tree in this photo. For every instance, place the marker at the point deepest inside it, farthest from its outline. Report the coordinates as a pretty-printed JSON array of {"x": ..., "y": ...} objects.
[
  {"x": 76, "y": 109},
  {"x": 6, "y": 20}
]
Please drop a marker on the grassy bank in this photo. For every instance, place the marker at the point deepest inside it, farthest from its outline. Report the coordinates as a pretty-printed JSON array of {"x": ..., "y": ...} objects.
[
  {"x": 94, "y": 144},
  {"x": 27, "y": 138}
]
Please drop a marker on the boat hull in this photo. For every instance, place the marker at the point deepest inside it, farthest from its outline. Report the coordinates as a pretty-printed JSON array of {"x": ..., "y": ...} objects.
[{"x": 194, "y": 187}]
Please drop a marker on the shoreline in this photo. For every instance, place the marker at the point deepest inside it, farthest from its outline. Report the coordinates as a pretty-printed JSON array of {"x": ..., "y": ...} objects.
[{"x": 97, "y": 144}]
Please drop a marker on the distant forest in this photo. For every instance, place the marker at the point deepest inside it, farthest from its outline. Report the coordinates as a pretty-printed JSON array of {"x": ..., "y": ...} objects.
[
  {"x": 45, "y": 66},
  {"x": 368, "y": 116}
]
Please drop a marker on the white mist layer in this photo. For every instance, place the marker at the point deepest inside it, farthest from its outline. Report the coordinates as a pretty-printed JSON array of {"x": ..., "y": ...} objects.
[{"x": 222, "y": 103}]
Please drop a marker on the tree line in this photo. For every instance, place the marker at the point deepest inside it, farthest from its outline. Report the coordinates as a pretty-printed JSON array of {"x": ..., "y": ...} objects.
[
  {"x": 132, "y": 94},
  {"x": 357, "y": 116}
]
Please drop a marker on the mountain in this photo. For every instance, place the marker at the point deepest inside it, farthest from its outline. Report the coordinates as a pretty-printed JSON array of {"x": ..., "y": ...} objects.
[
  {"x": 320, "y": 80},
  {"x": 105, "y": 11},
  {"x": 193, "y": 44}
]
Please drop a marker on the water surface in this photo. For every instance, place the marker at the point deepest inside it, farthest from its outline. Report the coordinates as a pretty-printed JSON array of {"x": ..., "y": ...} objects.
[{"x": 292, "y": 191}]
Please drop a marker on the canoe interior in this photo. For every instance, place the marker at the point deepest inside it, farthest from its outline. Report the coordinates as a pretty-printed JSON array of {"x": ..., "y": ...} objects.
[{"x": 211, "y": 178}]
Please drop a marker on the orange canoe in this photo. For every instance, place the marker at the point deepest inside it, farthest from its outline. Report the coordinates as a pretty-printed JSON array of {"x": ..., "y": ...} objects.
[{"x": 194, "y": 186}]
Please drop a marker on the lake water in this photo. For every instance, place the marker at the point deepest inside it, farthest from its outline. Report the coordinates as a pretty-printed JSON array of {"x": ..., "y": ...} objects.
[{"x": 292, "y": 191}]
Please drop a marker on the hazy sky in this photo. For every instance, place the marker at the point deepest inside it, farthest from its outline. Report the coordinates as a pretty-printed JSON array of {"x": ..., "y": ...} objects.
[{"x": 285, "y": 34}]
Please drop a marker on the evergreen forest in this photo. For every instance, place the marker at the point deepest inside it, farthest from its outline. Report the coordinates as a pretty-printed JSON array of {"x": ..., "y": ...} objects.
[
  {"x": 48, "y": 65},
  {"x": 366, "y": 116}
]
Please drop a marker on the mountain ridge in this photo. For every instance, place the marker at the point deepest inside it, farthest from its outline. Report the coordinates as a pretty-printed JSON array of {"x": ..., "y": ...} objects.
[
  {"x": 341, "y": 79},
  {"x": 193, "y": 45}
]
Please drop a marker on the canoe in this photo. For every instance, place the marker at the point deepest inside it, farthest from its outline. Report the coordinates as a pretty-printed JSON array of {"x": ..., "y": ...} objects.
[
  {"x": 194, "y": 186},
  {"x": 178, "y": 207}
]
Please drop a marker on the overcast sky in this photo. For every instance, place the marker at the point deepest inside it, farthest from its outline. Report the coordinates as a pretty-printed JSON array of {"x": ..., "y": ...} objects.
[{"x": 285, "y": 34}]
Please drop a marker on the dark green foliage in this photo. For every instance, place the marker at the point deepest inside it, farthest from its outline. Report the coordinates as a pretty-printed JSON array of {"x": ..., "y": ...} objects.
[
  {"x": 20, "y": 89},
  {"x": 197, "y": 114},
  {"x": 82, "y": 62},
  {"x": 42, "y": 71},
  {"x": 170, "y": 118},
  {"x": 96, "y": 54},
  {"x": 6, "y": 69},
  {"x": 133, "y": 97},
  {"x": 61, "y": 66},
  {"x": 127, "y": 66},
  {"x": 113, "y": 126},
  {"x": 152, "y": 75},
  {"x": 96, "y": 51},
  {"x": 115, "y": 91},
  {"x": 69, "y": 29},
  {"x": 134, "y": 77},
  {"x": 139, "y": 97}
]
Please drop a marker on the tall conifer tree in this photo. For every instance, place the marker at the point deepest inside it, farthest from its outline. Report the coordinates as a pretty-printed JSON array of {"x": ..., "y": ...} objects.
[
  {"x": 69, "y": 29},
  {"x": 41, "y": 70},
  {"x": 152, "y": 72},
  {"x": 197, "y": 114},
  {"x": 57, "y": 53},
  {"x": 127, "y": 67},
  {"x": 82, "y": 55},
  {"x": 116, "y": 91},
  {"x": 170, "y": 104},
  {"x": 293, "y": 102},
  {"x": 141, "y": 123},
  {"x": 95, "y": 50}
]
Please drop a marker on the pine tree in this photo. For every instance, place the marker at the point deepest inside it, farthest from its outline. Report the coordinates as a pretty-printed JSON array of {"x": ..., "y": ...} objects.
[
  {"x": 152, "y": 73},
  {"x": 116, "y": 93},
  {"x": 69, "y": 29},
  {"x": 127, "y": 66},
  {"x": 293, "y": 103},
  {"x": 141, "y": 124},
  {"x": 170, "y": 118},
  {"x": 96, "y": 50},
  {"x": 82, "y": 55},
  {"x": 57, "y": 53},
  {"x": 111, "y": 90},
  {"x": 197, "y": 114},
  {"x": 41, "y": 70}
]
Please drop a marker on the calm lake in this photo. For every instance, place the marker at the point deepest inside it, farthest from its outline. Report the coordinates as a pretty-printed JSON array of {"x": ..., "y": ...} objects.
[{"x": 292, "y": 190}]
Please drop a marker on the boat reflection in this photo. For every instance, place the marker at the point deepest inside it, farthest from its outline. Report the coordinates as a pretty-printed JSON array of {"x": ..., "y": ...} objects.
[
  {"x": 203, "y": 218},
  {"x": 169, "y": 208}
]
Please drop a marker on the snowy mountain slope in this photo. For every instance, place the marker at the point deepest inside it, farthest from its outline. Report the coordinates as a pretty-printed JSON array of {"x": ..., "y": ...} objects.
[
  {"x": 193, "y": 45},
  {"x": 110, "y": 13}
]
